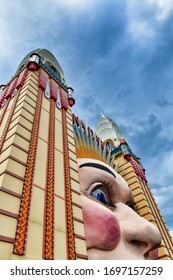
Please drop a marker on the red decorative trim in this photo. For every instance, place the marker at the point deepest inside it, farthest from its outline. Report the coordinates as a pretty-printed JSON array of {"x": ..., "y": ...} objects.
[
  {"x": 81, "y": 256},
  {"x": 12, "y": 174},
  {"x": 71, "y": 102},
  {"x": 9, "y": 214},
  {"x": 77, "y": 205},
  {"x": 17, "y": 146},
  {"x": 33, "y": 63},
  {"x": 43, "y": 77},
  {"x": 2, "y": 189},
  {"x": 127, "y": 157},
  {"x": 64, "y": 99},
  {"x": 11, "y": 88},
  {"x": 70, "y": 118},
  {"x": 75, "y": 170},
  {"x": 7, "y": 239},
  {"x": 53, "y": 89},
  {"x": 22, "y": 78},
  {"x": 18, "y": 134},
  {"x": 25, "y": 127},
  {"x": 33, "y": 66},
  {"x": 21, "y": 233},
  {"x": 138, "y": 169},
  {"x": 4, "y": 110},
  {"x": 80, "y": 236},
  {"x": 73, "y": 161},
  {"x": 3, "y": 96},
  {"x": 14, "y": 159},
  {"x": 78, "y": 220},
  {"x": 71, "y": 254},
  {"x": 77, "y": 181},
  {"x": 48, "y": 253},
  {"x": 77, "y": 192},
  {"x": 71, "y": 142},
  {"x": 3, "y": 136}
]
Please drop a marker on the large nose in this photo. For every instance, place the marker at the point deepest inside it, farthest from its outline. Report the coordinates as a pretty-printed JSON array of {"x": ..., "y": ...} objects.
[{"x": 138, "y": 231}]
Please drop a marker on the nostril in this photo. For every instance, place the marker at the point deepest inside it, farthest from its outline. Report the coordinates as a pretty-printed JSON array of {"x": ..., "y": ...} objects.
[
  {"x": 139, "y": 243},
  {"x": 148, "y": 250},
  {"x": 152, "y": 250},
  {"x": 147, "y": 239}
]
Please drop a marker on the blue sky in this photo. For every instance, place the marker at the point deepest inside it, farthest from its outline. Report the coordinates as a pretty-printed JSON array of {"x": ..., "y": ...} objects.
[{"x": 117, "y": 55}]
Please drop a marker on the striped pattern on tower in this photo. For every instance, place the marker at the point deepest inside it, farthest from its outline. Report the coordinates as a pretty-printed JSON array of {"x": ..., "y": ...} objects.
[
  {"x": 146, "y": 204},
  {"x": 78, "y": 226},
  {"x": 49, "y": 216},
  {"x": 22, "y": 225},
  {"x": 14, "y": 156},
  {"x": 39, "y": 187}
]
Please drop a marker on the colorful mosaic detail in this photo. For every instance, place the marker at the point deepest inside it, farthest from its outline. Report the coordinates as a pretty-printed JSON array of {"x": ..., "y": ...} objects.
[
  {"x": 22, "y": 78},
  {"x": 89, "y": 145},
  {"x": 8, "y": 122},
  {"x": 138, "y": 169},
  {"x": 8, "y": 91}
]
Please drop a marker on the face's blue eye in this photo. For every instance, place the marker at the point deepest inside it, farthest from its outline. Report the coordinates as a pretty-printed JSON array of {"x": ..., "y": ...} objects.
[{"x": 100, "y": 196}]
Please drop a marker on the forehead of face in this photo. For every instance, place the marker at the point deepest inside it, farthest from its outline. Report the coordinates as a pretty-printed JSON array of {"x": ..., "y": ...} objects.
[{"x": 91, "y": 169}]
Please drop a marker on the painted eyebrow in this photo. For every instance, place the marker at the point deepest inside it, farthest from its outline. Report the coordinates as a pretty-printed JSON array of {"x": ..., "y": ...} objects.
[{"x": 97, "y": 165}]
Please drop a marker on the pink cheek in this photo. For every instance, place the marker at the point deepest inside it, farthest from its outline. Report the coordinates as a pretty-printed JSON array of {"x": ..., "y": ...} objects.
[{"x": 102, "y": 228}]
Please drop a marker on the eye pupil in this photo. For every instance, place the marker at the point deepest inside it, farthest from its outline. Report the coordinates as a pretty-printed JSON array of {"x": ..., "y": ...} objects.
[{"x": 100, "y": 196}]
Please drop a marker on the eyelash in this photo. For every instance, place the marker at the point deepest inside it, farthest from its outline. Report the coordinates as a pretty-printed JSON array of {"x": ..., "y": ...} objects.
[
  {"x": 112, "y": 206},
  {"x": 110, "y": 190},
  {"x": 133, "y": 206}
]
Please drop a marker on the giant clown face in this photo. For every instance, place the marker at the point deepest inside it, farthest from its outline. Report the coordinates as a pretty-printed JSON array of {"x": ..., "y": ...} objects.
[{"x": 113, "y": 230}]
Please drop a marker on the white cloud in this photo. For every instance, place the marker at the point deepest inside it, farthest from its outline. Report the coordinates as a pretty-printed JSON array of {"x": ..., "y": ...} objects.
[
  {"x": 167, "y": 163},
  {"x": 25, "y": 26},
  {"x": 73, "y": 4},
  {"x": 163, "y": 196},
  {"x": 141, "y": 30},
  {"x": 163, "y": 8},
  {"x": 140, "y": 27},
  {"x": 5, "y": 38},
  {"x": 160, "y": 169},
  {"x": 167, "y": 130},
  {"x": 144, "y": 18}
]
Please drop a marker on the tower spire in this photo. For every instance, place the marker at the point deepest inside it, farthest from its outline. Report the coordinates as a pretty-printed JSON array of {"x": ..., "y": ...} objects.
[{"x": 107, "y": 129}]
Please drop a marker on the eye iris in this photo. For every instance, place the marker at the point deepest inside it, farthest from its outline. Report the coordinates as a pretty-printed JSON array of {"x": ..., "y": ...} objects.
[{"x": 100, "y": 196}]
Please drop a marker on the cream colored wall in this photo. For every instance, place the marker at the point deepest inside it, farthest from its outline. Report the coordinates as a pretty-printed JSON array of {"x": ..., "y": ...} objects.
[
  {"x": 13, "y": 161},
  {"x": 12, "y": 171},
  {"x": 80, "y": 242}
]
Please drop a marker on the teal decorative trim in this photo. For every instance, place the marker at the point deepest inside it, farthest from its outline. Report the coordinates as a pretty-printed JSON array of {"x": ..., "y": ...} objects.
[
  {"x": 116, "y": 151},
  {"x": 53, "y": 73}
]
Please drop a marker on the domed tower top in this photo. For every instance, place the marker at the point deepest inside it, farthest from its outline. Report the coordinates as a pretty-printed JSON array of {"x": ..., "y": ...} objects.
[
  {"x": 107, "y": 129},
  {"x": 47, "y": 59}
]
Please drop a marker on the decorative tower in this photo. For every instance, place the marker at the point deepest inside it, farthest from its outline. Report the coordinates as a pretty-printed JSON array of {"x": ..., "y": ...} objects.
[
  {"x": 40, "y": 203},
  {"x": 40, "y": 207},
  {"x": 130, "y": 167}
]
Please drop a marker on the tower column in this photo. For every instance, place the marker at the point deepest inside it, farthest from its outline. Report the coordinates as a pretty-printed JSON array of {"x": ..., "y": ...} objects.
[
  {"x": 40, "y": 204},
  {"x": 69, "y": 216},
  {"x": 21, "y": 233},
  {"x": 49, "y": 215}
]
